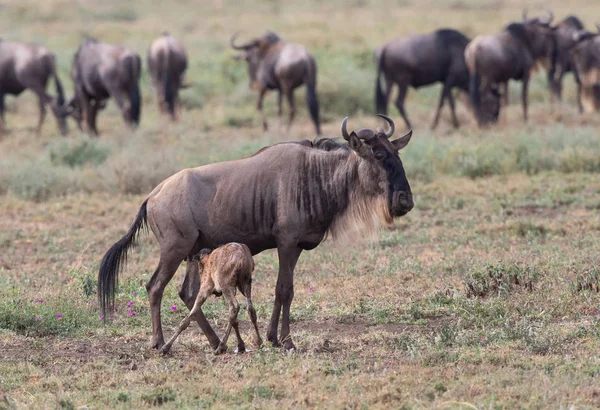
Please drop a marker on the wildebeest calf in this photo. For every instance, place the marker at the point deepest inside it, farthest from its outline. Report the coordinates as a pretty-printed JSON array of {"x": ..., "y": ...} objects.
[{"x": 222, "y": 271}]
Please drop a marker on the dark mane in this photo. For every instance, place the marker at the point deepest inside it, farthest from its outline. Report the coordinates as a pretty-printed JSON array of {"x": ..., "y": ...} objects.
[
  {"x": 449, "y": 37},
  {"x": 517, "y": 30},
  {"x": 329, "y": 144}
]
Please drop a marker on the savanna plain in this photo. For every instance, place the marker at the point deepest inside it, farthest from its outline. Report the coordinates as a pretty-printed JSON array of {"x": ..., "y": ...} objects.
[{"x": 484, "y": 296}]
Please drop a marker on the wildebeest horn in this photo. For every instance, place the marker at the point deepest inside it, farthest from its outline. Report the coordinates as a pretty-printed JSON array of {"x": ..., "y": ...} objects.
[
  {"x": 243, "y": 46},
  {"x": 524, "y": 14},
  {"x": 548, "y": 19},
  {"x": 344, "y": 130},
  {"x": 598, "y": 27},
  {"x": 390, "y": 132},
  {"x": 581, "y": 35}
]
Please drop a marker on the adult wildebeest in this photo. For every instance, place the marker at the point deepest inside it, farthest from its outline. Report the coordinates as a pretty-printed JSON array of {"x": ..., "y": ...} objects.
[
  {"x": 167, "y": 62},
  {"x": 287, "y": 196},
  {"x": 29, "y": 66},
  {"x": 422, "y": 60},
  {"x": 101, "y": 71},
  {"x": 510, "y": 54},
  {"x": 586, "y": 63},
  {"x": 274, "y": 64},
  {"x": 561, "y": 61}
]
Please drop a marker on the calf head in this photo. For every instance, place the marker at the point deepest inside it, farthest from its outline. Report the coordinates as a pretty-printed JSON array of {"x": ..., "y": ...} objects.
[{"x": 381, "y": 155}]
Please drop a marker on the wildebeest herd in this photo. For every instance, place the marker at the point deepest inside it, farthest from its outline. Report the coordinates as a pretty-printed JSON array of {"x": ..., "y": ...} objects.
[
  {"x": 482, "y": 67},
  {"x": 289, "y": 196}
]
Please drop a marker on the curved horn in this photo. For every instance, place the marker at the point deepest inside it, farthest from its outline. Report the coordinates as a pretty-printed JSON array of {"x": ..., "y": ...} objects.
[
  {"x": 390, "y": 132},
  {"x": 524, "y": 14},
  {"x": 549, "y": 18},
  {"x": 344, "y": 130},
  {"x": 243, "y": 46},
  {"x": 598, "y": 27}
]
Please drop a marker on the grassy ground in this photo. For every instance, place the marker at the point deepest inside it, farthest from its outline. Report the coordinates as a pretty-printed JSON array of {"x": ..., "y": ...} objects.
[{"x": 485, "y": 295}]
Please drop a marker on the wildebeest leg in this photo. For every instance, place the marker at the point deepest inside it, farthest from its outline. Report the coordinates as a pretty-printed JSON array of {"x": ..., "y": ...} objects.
[
  {"x": 1, "y": 113},
  {"x": 171, "y": 256},
  {"x": 403, "y": 89},
  {"x": 284, "y": 293},
  {"x": 91, "y": 115},
  {"x": 188, "y": 293},
  {"x": 289, "y": 94},
  {"x": 524, "y": 96},
  {"x": 259, "y": 107},
  {"x": 505, "y": 94},
  {"x": 452, "y": 109},
  {"x": 279, "y": 104},
  {"x": 445, "y": 90},
  {"x": 234, "y": 308},
  {"x": 197, "y": 307},
  {"x": 42, "y": 104},
  {"x": 578, "y": 82}
]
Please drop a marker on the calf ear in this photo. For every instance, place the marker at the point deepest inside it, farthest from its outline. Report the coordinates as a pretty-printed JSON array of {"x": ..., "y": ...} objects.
[
  {"x": 355, "y": 142},
  {"x": 402, "y": 141}
]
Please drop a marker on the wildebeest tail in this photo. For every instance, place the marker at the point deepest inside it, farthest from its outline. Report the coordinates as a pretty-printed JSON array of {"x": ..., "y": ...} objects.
[
  {"x": 380, "y": 98},
  {"x": 115, "y": 258},
  {"x": 168, "y": 82},
  {"x": 311, "y": 95},
  {"x": 474, "y": 94},
  {"x": 132, "y": 66}
]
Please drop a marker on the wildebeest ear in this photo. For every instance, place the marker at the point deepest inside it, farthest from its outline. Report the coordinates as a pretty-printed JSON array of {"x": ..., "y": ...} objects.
[
  {"x": 402, "y": 141},
  {"x": 354, "y": 142}
]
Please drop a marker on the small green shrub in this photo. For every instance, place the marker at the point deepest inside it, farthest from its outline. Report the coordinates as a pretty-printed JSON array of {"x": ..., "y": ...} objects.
[
  {"x": 499, "y": 279},
  {"x": 75, "y": 153},
  {"x": 159, "y": 396}
]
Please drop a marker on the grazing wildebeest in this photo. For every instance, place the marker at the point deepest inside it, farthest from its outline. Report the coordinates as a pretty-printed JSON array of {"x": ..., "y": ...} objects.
[
  {"x": 29, "y": 66},
  {"x": 586, "y": 63},
  {"x": 287, "y": 196},
  {"x": 510, "y": 54},
  {"x": 101, "y": 71},
  {"x": 562, "y": 64},
  {"x": 274, "y": 64},
  {"x": 422, "y": 60},
  {"x": 221, "y": 272},
  {"x": 167, "y": 62}
]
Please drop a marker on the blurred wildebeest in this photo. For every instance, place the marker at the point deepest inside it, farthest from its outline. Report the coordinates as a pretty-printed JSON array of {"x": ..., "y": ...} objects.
[
  {"x": 586, "y": 63},
  {"x": 287, "y": 196},
  {"x": 510, "y": 54},
  {"x": 422, "y": 60},
  {"x": 29, "y": 66},
  {"x": 562, "y": 64},
  {"x": 101, "y": 71},
  {"x": 167, "y": 61},
  {"x": 274, "y": 64}
]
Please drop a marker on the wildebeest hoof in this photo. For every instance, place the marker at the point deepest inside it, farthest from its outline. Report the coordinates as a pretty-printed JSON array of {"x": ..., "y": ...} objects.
[
  {"x": 165, "y": 350},
  {"x": 289, "y": 345},
  {"x": 240, "y": 349},
  {"x": 221, "y": 349}
]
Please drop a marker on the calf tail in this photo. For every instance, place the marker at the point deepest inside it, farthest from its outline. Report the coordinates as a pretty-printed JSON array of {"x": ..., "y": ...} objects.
[
  {"x": 115, "y": 258},
  {"x": 132, "y": 65},
  {"x": 311, "y": 95},
  {"x": 380, "y": 98}
]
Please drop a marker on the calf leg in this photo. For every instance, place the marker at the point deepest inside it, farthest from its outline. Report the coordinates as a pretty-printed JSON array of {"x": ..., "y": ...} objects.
[
  {"x": 2, "y": 124},
  {"x": 452, "y": 109},
  {"x": 289, "y": 93},
  {"x": 90, "y": 117},
  {"x": 252, "y": 313},
  {"x": 188, "y": 294},
  {"x": 42, "y": 105},
  {"x": 505, "y": 94},
  {"x": 284, "y": 293},
  {"x": 234, "y": 309},
  {"x": 203, "y": 294}
]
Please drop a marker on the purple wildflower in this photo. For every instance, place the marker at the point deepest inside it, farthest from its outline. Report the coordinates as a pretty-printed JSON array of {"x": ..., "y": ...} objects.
[
  {"x": 58, "y": 316},
  {"x": 37, "y": 319},
  {"x": 41, "y": 300},
  {"x": 132, "y": 313},
  {"x": 310, "y": 289},
  {"x": 102, "y": 317},
  {"x": 134, "y": 292},
  {"x": 112, "y": 316},
  {"x": 130, "y": 304},
  {"x": 173, "y": 308}
]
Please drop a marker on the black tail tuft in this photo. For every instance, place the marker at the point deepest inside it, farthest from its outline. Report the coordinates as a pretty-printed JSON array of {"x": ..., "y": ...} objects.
[
  {"x": 114, "y": 260},
  {"x": 380, "y": 98}
]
